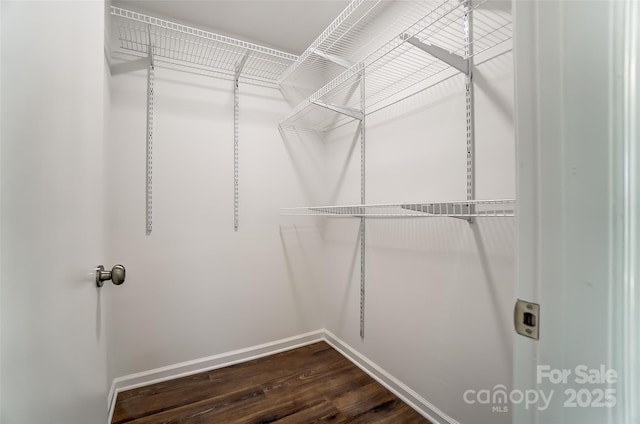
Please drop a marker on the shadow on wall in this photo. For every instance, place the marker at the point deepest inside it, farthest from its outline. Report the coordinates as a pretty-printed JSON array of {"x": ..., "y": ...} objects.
[
  {"x": 349, "y": 279},
  {"x": 300, "y": 144},
  {"x": 333, "y": 197},
  {"x": 433, "y": 258},
  {"x": 500, "y": 234},
  {"x": 342, "y": 274},
  {"x": 98, "y": 313},
  {"x": 439, "y": 234},
  {"x": 499, "y": 72},
  {"x": 298, "y": 244},
  {"x": 443, "y": 289}
]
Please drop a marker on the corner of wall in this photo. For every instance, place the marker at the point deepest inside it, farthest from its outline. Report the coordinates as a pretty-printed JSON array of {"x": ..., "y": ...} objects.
[
  {"x": 1, "y": 26},
  {"x": 393, "y": 384},
  {"x": 397, "y": 387}
]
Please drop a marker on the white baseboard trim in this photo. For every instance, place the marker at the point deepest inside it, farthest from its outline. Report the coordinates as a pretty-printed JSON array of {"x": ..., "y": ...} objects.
[
  {"x": 395, "y": 386},
  {"x": 183, "y": 369}
]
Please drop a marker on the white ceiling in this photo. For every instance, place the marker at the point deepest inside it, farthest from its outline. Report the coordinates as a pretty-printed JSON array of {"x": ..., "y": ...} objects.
[{"x": 288, "y": 25}]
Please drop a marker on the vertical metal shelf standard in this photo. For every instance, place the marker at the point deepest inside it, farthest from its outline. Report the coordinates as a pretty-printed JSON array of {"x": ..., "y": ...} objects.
[
  {"x": 236, "y": 117},
  {"x": 363, "y": 221},
  {"x": 469, "y": 105},
  {"x": 358, "y": 115},
  {"x": 149, "y": 167}
]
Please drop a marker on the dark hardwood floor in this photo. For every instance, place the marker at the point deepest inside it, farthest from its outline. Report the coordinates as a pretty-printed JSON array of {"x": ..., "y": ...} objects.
[{"x": 312, "y": 384}]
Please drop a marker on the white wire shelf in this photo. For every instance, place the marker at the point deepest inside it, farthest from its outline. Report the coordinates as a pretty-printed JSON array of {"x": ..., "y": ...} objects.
[
  {"x": 361, "y": 26},
  {"x": 398, "y": 66},
  {"x": 186, "y": 48},
  {"x": 333, "y": 41},
  {"x": 459, "y": 209}
]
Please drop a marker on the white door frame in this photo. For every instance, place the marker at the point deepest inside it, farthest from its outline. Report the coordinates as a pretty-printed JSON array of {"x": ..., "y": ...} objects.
[
  {"x": 545, "y": 121},
  {"x": 626, "y": 134}
]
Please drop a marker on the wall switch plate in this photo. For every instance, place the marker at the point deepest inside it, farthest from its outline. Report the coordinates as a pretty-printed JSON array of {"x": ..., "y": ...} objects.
[{"x": 526, "y": 318}]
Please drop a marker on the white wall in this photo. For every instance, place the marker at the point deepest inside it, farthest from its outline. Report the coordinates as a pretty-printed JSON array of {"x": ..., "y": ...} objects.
[
  {"x": 0, "y": 213},
  {"x": 439, "y": 292},
  {"x": 53, "y": 317},
  {"x": 194, "y": 286}
]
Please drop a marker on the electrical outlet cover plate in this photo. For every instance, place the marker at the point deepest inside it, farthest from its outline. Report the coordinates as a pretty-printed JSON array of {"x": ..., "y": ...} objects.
[{"x": 526, "y": 318}]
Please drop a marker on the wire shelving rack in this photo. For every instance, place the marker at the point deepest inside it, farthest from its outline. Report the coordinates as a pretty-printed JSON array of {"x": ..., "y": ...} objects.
[
  {"x": 368, "y": 66},
  {"x": 334, "y": 43},
  {"x": 398, "y": 65},
  {"x": 146, "y": 42},
  {"x": 362, "y": 26},
  {"x": 446, "y": 38},
  {"x": 186, "y": 48}
]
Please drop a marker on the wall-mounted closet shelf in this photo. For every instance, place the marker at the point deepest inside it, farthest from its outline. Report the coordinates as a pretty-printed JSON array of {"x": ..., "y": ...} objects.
[
  {"x": 401, "y": 63},
  {"x": 349, "y": 38},
  {"x": 187, "y": 48},
  {"x": 145, "y": 42},
  {"x": 330, "y": 53},
  {"x": 459, "y": 209},
  {"x": 444, "y": 38}
]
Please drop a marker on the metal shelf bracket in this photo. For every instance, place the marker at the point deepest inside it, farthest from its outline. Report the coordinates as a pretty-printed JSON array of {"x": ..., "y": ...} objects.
[
  {"x": 333, "y": 58},
  {"x": 451, "y": 210},
  {"x": 355, "y": 114},
  {"x": 451, "y": 59}
]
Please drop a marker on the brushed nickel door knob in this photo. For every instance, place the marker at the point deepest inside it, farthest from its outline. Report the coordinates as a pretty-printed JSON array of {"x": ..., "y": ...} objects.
[{"x": 117, "y": 275}]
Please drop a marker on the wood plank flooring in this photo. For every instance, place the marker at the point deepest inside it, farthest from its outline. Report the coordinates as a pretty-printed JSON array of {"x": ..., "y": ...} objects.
[{"x": 312, "y": 384}]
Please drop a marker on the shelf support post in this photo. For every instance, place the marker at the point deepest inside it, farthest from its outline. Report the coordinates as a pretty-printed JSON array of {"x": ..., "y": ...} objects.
[
  {"x": 149, "y": 153},
  {"x": 236, "y": 116},
  {"x": 363, "y": 202},
  {"x": 469, "y": 105}
]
